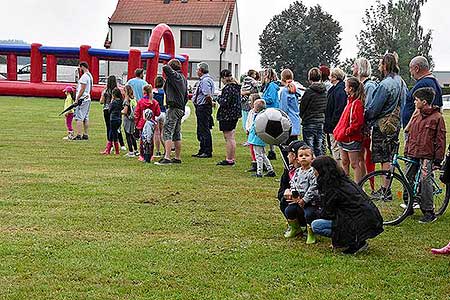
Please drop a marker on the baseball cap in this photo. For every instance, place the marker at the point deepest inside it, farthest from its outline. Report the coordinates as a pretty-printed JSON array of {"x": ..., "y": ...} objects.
[
  {"x": 295, "y": 145},
  {"x": 68, "y": 89}
]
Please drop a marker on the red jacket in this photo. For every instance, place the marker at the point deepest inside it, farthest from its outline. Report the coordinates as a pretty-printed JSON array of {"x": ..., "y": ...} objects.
[
  {"x": 426, "y": 135},
  {"x": 350, "y": 126},
  {"x": 142, "y": 105}
]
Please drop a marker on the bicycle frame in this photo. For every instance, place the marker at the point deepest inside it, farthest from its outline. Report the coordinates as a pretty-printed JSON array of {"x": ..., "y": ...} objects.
[{"x": 415, "y": 187}]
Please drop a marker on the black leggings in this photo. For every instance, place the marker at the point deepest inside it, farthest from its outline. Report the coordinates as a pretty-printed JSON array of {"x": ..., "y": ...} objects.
[
  {"x": 114, "y": 130},
  {"x": 131, "y": 141},
  {"x": 108, "y": 127}
]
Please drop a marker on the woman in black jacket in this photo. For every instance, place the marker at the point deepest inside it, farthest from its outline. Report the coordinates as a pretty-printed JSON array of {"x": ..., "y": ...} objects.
[
  {"x": 228, "y": 114},
  {"x": 348, "y": 215}
]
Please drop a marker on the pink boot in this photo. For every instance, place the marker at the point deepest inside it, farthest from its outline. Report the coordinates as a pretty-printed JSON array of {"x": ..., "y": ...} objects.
[
  {"x": 116, "y": 148},
  {"x": 107, "y": 149},
  {"x": 445, "y": 250}
]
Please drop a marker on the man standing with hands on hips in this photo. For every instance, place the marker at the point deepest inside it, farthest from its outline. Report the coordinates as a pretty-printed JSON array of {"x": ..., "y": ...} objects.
[
  {"x": 202, "y": 100},
  {"x": 83, "y": 98}
]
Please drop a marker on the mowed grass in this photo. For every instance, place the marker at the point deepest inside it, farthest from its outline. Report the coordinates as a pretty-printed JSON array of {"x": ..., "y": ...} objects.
[{"x": 78, "y": 225}]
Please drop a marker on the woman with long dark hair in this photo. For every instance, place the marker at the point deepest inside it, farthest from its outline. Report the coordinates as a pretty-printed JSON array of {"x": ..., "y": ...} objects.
[
  {"x": 348, "y": 216},
  {"x": 106, "y": 99}
]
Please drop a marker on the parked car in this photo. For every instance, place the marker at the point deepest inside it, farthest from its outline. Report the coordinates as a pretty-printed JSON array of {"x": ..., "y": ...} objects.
[
  {"x": 64, "y": 73},
  {"x": 104, "y": 80},
  {"x": 446, "y": 101}
]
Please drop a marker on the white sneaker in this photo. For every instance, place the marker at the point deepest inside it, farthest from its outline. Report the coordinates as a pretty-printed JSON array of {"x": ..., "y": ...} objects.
[
  {"x": 123, "y": 148},
  {"x": 130, "y": 155},
  {"x": 415, "y": 205}
]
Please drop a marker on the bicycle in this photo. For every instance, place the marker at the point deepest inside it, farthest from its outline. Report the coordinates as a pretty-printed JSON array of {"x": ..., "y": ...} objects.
[{"x": 395, "y": 196}]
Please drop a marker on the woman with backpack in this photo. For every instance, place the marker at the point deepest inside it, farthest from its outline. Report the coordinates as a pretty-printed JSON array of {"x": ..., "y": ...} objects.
[{"x": 129, "y": 106}]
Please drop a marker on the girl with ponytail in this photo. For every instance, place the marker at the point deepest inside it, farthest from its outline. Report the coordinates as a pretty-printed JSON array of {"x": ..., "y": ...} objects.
[{"x": 349, "y": 130}]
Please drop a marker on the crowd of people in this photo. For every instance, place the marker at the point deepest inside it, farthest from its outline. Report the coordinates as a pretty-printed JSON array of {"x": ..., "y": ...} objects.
[{"x": 354, "y": 119}]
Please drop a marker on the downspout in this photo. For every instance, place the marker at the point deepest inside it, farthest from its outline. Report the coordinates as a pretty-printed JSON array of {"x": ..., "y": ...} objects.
[
  {"x": 111, "y": 39},
  {"x": 222, "y": 50}
]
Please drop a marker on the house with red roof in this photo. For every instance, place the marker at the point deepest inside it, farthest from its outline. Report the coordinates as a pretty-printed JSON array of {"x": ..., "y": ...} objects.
[{"x": 206, "y": 30}]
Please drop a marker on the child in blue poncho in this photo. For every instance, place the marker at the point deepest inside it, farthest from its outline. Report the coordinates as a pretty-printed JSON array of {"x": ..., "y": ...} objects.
[{"x": 258, "y": 144}]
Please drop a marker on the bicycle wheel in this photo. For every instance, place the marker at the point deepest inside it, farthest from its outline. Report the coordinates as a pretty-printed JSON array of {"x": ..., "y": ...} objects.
[
  {"x": 393, "y": 202},
  {"x": 440, "y": 194}
]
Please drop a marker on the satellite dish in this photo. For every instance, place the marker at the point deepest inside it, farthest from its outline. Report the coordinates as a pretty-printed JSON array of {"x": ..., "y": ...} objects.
[{"x": 211, "y": 36}]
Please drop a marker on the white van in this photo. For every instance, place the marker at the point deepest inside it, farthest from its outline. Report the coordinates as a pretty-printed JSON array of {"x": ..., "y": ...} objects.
[{"x": 64, "y": 73}]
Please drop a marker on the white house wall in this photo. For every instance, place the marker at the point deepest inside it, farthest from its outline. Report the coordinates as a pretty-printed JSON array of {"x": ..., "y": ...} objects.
[{"x": 210, "y": 51}]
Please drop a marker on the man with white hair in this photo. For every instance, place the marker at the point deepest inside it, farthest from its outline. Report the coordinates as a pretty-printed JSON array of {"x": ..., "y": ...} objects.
[{"x": 420, "y": 71}]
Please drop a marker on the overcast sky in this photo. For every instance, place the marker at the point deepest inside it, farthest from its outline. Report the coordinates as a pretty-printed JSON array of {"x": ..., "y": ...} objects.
[{"x": 76, "y": 22}]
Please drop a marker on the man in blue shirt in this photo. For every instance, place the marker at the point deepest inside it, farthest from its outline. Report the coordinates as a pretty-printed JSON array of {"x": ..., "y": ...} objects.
[
  {"x": 420, "y": 71},
  {"x": 137, "y": 83},
  {"x": 202, "y": 100}
]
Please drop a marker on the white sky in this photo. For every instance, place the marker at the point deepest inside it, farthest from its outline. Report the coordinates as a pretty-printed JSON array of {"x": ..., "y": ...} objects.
[{"x": 76, "y": 22}]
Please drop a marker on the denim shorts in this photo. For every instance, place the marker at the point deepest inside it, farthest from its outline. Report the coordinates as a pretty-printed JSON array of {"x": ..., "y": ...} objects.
[{"x": 351, "y": 147}]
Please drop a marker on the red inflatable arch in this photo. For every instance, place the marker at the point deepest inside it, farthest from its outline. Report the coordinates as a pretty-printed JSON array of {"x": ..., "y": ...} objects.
[{"x": 160, "y": 32}]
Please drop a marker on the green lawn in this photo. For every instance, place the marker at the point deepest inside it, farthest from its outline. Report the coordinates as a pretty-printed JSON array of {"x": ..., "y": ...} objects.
[{"x": 77, "y": 225}]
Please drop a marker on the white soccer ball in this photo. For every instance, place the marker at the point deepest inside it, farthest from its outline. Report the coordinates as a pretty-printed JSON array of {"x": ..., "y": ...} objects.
[{"x": 273, "y": 126}]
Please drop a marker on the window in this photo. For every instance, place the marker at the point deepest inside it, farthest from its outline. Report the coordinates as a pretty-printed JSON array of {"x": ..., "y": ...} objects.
[
  {"x": 237, "y": 43},
  {"x": 236, "y": 71},
  {"x": 140, "y": 37},
  {"x": 231, "y": 41},
  {"x": 230, "y": 67},
  {"x": 191, "y": 39},
  {"x": 192, "y": 70}
]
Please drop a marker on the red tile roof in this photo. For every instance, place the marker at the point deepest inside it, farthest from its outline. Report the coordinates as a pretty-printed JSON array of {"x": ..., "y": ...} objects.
[{"x": 194, "y": 12}]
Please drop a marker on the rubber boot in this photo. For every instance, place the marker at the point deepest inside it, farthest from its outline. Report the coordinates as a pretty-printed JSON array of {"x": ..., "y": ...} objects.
[
  {"x": 295, "y": 229},
  {"x": 445, "y": 250},
  {"x": 107, "y": 148},
  {"x": 271, "y": 155},
  {"x": 253, "y": 167},
  {"x": 117, "y": 148},
  {"x": 311, "y": 239}
]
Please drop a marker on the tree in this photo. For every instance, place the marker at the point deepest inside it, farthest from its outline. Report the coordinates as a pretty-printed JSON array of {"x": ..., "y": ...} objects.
[
  {"x": 299, "y": 39},
  {"x": 394, "y": 27}
]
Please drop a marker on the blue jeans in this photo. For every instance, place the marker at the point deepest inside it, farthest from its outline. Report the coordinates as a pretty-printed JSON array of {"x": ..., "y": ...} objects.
[
  {"x": 244, "y": 119},
  {"x": 322, "y": 227},
  {"x": 313, "y": 137}
]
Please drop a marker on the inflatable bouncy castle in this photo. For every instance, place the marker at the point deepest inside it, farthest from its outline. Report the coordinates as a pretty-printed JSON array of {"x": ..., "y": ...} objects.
[{"x": 36, "y": 87}]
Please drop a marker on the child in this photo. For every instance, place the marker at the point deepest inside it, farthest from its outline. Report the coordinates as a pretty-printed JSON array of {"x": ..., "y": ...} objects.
[
  {"x": 349, "y": 130},
  {"x": 248, "y": 126},
  {"x": 285, "y": 192},
  {"x": 270, "y": 90},
  {"x": 289, "y": 102},
  {"x": 425, "y": 143},
  {"x": 249, "y": 86},
  {"x": 115, "y": 115},
  {"x": 258, "y": 144},
  {"x": 158, "y": 95},
  {"x": 143, "y": 104},
  {"x": 129, "y": 106},
  {"x": 70, "y": 95},
  {"x": 304, "y": 194},
  {"x": 147, "y": 135}
]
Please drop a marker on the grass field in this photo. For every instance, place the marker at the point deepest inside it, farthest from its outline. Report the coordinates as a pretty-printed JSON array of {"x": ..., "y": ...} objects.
[{"x": 77, "y": 225}]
